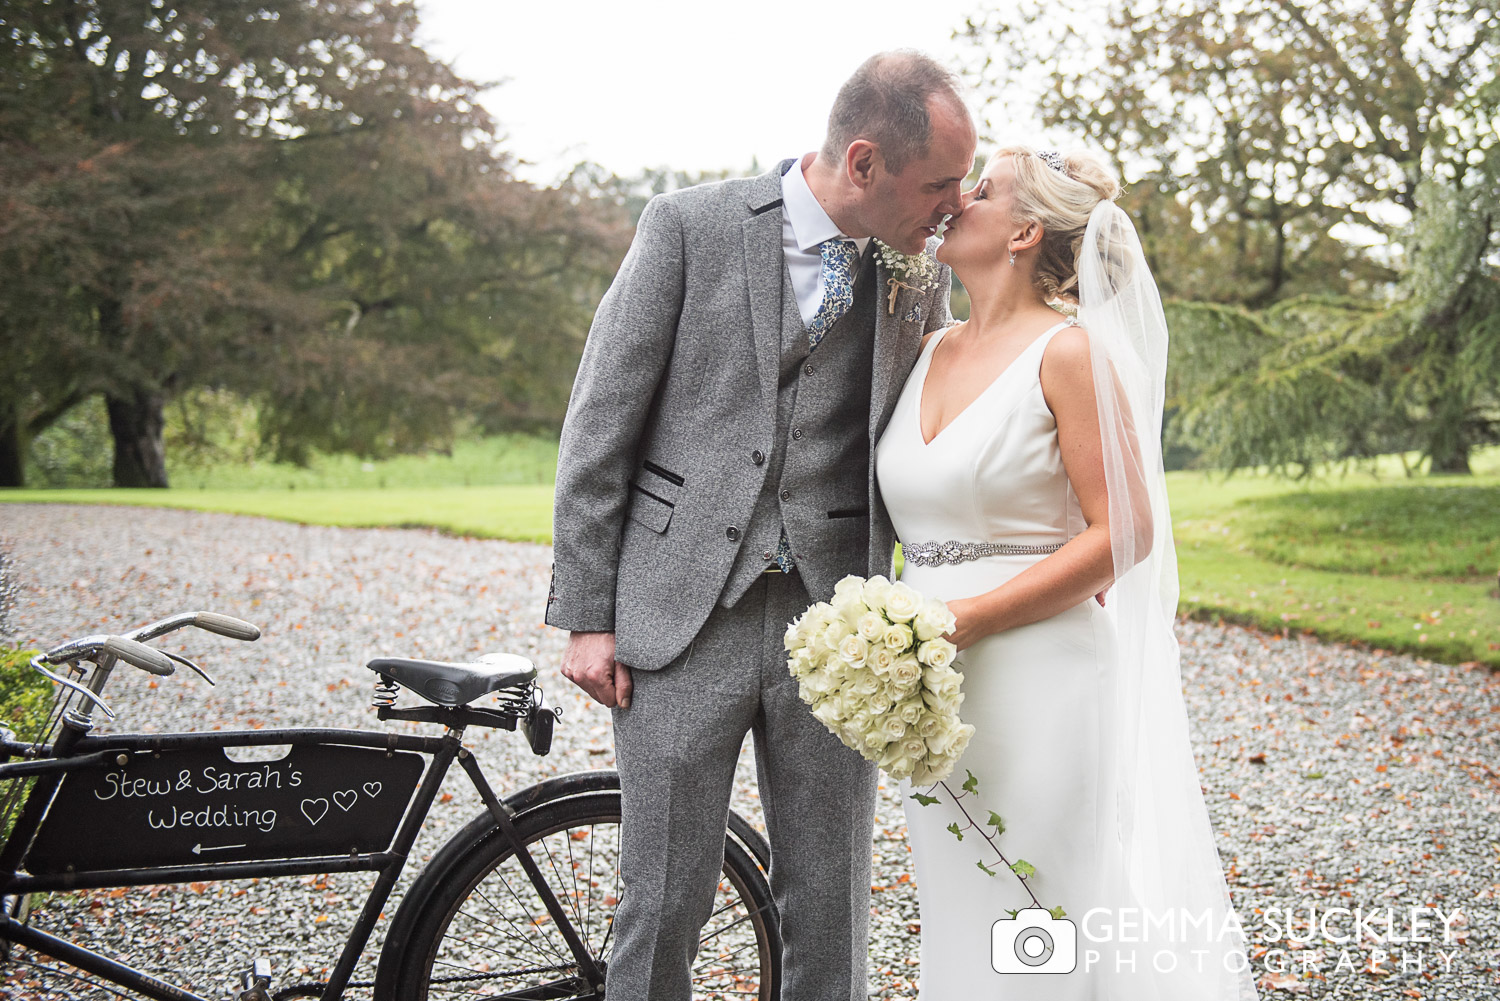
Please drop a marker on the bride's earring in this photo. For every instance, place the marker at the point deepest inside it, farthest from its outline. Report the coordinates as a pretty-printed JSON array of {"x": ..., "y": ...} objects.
[{"x": 1012, "y": 258}]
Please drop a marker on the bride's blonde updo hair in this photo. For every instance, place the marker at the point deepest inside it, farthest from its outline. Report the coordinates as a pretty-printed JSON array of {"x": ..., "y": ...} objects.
[{"x": 1059, "y": 191}]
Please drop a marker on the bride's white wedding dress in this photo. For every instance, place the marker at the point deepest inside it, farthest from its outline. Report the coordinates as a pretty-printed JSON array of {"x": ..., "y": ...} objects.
[
  {"x": 995, "y": 474},
  {"x": 1038, "y": 697}
]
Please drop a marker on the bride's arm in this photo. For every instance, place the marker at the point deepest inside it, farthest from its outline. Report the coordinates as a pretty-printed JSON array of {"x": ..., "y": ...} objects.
[{"x": 1085, "y": 566}]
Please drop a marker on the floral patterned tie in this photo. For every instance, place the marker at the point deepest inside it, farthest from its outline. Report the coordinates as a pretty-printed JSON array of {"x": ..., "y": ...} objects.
[{"x": 839, "y": 258}]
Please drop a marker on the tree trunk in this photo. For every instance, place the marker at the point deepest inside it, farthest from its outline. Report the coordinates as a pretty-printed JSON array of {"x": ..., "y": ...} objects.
[
  {"x": 136, "y": 423},
  {"x": 1447, "y": 445},
  {"x": 12, "y": 450}
]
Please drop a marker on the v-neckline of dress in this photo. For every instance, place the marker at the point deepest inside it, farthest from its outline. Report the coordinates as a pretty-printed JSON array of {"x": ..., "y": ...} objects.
[{"x": 926, "y": 372}]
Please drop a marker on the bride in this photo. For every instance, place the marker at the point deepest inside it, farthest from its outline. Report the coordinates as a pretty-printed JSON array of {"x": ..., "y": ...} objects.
[{"x": 1031, "y": 440}]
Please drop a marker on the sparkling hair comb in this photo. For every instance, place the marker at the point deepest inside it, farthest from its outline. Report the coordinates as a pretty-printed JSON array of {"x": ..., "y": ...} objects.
[{"x": 1055, "y": 160}]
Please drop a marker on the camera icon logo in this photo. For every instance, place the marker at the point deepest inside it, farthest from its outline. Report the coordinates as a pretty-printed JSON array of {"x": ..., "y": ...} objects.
[{"x": 1034, "y": 942}]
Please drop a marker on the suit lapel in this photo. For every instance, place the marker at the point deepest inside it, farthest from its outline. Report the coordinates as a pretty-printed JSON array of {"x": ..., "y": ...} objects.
[
  {"x": 895, "y": 350},
  {"x": 764, "y": 266}
]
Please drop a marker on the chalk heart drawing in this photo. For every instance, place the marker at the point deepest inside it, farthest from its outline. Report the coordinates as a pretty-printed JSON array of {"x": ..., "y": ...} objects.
[
  {"x": 314, "y": 810},
  {"x": 372, "y": 789},
  {"x": 345, "y": 799}
]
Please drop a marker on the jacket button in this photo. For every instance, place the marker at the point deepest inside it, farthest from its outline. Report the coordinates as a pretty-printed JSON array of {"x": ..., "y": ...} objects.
[
  {"x": 796, "y": 433},
  {"x": 758, "y": 457},
  {"x": 807, "y": 369},
  {"x": 731, "y": 533},
  {"x": 766, "y": 555},
  {"x": 786, "y": 495}
]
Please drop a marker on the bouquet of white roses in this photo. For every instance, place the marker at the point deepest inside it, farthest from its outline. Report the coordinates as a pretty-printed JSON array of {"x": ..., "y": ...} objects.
[{"x": 877, "y": 672}]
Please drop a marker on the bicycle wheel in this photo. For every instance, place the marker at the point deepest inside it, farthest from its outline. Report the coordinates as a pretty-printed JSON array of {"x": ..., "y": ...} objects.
[{"x": 484, "y": 932}]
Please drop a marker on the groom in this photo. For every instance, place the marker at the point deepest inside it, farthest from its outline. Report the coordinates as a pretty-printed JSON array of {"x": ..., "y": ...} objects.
[{"x": 715, "y": 477}]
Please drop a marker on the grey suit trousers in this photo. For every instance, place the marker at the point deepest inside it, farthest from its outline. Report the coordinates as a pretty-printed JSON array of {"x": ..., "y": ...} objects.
[{"x": 677, "y": 746}]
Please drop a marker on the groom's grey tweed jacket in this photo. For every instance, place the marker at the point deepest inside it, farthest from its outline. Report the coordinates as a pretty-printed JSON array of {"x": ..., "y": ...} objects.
[{"x": 671, "y": 430}]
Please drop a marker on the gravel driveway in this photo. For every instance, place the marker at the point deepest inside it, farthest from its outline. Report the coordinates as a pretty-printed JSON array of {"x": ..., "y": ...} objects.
[{"x": 1336, "y": 777}]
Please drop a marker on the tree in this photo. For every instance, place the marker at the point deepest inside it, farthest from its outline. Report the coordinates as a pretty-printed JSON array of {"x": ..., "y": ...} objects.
[
  {"x": 1315, "y": 184},
  {"x": 197, "y": 197},
  {"x": 1318, "y": 379},
  {"x": 1258, "y": 131}
]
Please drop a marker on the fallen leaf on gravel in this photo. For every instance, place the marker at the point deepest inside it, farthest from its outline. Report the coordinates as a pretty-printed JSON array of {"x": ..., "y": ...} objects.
[{"x": 1283, "y": 982}]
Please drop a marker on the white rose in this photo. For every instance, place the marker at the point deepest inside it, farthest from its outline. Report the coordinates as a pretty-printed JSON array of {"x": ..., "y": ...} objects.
[
  {"x": 851, "y": 588},
  {"x": 898, "y": 637},
  {"x": 921, "y": 775},
  {"x": 895, "y": 762},
  {"x": 871, "y": 626},
  {"x": 852, "y": 650},
  {"x": 892, "y": 727},
  {"x": 902, "y": 602},
  {"x": 930, "y": 724},
  {"x": 914, "y": 747},
  {"x": 875, "y": 591},
  {"x": 937, "y": 653},
  {"x": 965, "y": 732},
  {"x": 828, "y": 714},
  {"x": 794, "y": 639},
  {"x": 945, "y": 741},
  {"x": 874, "y": 742},
  {"x": 944, "y": 682},
  {"x": 822, "y": 682},
  {"x": 880, "y": 702},
  {"x": 865, "y": 683},
  {"x": 834, "y": 633},
  {"x": 880, "y": 660},
  {"x": 860, "y": 721},
  {"x": 933, "y": 621},
  {"x": 911, "y": 711},
  {"x": 907, "y": 672}
]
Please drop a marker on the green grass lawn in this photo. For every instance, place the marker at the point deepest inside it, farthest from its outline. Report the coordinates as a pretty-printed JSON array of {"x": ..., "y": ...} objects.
[
  {"x": 1375, "y": 557},
  {"x": 1372, "y": 556}
]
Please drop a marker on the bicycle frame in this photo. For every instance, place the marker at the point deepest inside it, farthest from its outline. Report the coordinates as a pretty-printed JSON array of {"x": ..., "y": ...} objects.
[{"x": 75, "y": 752}]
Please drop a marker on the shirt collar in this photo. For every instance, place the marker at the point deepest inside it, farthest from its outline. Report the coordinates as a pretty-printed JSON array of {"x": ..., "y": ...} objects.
[{"x": 810, "y": 224}]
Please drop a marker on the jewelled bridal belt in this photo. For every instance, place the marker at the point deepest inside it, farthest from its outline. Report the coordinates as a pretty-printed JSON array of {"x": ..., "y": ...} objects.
[{"x": 933, "y": 554}]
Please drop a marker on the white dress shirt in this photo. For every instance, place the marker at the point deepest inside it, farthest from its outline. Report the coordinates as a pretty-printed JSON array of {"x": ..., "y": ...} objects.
[{"x": 804, "y": 225}]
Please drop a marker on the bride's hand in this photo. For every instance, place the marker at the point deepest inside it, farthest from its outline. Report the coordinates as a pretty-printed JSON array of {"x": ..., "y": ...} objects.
[{"x": 970, "y": 628}]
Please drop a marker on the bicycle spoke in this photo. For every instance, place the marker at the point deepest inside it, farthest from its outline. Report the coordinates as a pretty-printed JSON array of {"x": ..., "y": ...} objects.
[
  {"x": 512, "y": 921},
  {"x": 552, "y": 861}
]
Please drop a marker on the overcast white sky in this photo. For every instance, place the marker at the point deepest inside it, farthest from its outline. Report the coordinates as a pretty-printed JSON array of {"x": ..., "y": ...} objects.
[{"x": 687, "y": 84}]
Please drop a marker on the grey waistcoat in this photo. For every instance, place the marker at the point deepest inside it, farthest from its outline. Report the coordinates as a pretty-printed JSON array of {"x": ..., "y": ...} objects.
[{"x": 822, "y": 409}]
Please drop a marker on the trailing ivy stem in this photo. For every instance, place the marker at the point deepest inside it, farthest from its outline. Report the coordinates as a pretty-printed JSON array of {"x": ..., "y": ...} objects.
[{"x": 987, "y": 837}]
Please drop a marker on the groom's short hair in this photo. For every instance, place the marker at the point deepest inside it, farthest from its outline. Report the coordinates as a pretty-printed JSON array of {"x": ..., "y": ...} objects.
[{"x": 885, "y": 102}]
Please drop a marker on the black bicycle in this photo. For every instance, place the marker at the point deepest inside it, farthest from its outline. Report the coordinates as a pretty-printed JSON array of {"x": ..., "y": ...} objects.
[{"x": 518, "y": 905}]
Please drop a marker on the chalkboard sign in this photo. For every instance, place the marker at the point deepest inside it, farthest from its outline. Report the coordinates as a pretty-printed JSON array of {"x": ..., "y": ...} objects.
[{"x": 198, "y": 806}]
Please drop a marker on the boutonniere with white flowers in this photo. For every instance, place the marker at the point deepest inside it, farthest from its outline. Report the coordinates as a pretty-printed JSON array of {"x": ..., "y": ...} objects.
[{"x": 908, "y": 271}]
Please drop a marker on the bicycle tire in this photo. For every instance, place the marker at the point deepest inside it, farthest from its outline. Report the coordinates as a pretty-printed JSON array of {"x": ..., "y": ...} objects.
[{"x": 484, "y": 914}]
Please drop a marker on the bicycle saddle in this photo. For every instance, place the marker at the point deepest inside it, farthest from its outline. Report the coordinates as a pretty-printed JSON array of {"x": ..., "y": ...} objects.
[{"x": 456, "y": 684}]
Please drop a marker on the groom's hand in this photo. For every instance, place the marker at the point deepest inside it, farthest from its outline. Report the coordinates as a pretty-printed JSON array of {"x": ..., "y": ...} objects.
[{"x": 589, "y": 662}]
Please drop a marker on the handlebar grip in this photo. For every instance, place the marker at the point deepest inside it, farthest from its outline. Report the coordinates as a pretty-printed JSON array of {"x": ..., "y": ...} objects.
[
  {"x": 226, "y": 625},
  {"x": 146, "y": 658}
]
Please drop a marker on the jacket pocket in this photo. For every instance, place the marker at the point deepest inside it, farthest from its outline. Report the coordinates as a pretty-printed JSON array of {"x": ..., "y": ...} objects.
[
  {"x": 649, "y": 509},
  {"x": 849, "y": 512}
]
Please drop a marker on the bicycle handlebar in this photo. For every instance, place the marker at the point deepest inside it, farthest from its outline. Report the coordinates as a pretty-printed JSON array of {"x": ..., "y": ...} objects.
[
  {"x": 146, "y": 658},
  {"x": 226, "y": 625}
]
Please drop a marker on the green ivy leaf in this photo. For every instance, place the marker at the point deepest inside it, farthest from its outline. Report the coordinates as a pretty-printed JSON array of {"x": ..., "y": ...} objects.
[
  {"x": 924, "y": 799},
  {"x": 971, "y": 784},
  {"x": 956, "y": 832},
  {"x": 997, "y": 823},
  {"x": 1023, "y": 868},
  {"x": 987, "y": 870},
  {"x": 1057, "y": 912},
  {"x": 1012, "y": 911}
]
